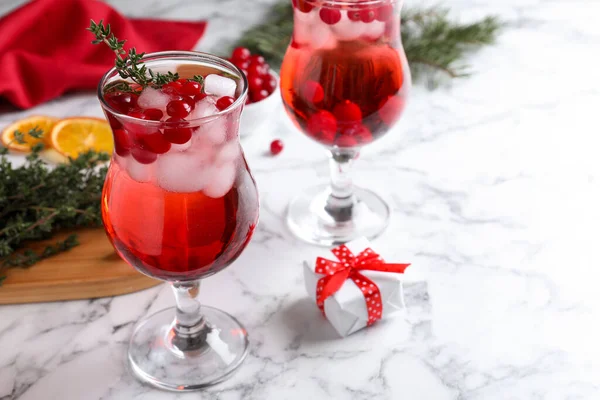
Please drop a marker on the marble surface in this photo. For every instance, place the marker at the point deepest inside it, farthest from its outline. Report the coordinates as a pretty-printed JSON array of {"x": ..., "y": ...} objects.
[{"x": 495, "y": 187}]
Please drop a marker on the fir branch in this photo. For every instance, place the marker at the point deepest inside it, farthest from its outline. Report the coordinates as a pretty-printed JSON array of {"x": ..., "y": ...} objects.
[
  {"x": 37, "y": 202},
  {"x": 432, "y": 41}
]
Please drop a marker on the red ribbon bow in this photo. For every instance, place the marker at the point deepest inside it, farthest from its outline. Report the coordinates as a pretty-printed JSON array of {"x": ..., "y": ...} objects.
[{"x": 349, "y": 266}]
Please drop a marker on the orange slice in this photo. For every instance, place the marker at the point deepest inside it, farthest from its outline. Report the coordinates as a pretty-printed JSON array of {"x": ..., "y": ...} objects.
[
  {"x": 72, "y": 136},
  {"x": 24, "y": 126}
]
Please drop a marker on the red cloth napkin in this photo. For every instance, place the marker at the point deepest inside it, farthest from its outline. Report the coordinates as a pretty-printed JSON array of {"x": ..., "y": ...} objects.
[{"x": 45, "y": 50}]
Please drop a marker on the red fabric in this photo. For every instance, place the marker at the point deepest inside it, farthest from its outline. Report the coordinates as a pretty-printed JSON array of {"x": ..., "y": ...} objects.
[{"x": 45, "y": 50}]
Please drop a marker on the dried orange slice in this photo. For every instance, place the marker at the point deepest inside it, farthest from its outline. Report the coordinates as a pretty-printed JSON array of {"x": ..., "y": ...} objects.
[
  {"x": 72, "y": 136},
  {"x": 24, "y": 126}
]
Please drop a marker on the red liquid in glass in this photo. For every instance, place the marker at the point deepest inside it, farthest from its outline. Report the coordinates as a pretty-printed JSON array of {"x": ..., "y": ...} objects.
[
  {"x": 178, "y": 236},
  {"x": 342, "y": 88}
]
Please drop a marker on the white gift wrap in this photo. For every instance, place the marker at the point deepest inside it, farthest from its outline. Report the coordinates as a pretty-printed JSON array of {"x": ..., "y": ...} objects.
[{"x": 347, "y": 309}]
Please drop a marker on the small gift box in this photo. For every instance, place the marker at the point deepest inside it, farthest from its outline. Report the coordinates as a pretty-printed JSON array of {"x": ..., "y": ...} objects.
[{"x": 354, "y": 287}]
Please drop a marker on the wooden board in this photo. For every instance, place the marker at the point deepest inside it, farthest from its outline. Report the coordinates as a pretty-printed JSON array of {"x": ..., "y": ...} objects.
[{"x": 87, "y": 271}]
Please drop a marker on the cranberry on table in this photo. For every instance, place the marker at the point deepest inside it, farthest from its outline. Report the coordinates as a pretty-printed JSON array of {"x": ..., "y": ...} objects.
[
  {"x": 224, "y": 102},
  {"x": 191, "y": 88},
  {"x": 240, "y": 54},
  {"x": 330, "y": 16},
  {"x": 276, "y": 147},
  {"x": 177, "y": 133},
  {"x": 178, "y": 109}
]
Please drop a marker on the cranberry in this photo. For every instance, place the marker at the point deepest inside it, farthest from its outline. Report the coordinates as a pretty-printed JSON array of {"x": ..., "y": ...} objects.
[
  {"x": 143, "y": 156},
  {"x": 276, "y": 147},
  {"x": 260, "y": 95},
  {"x": 122, "y": 142},
  {"x": 122, "y": 102},
  {"x": 177, "y": 133},
  {"x": 178, "y": 109},
  {"x": 242, "y": 64},
  {"x": 359, "y": 132},
  {"x": 322, "y": 124},
  {"x": 172, "y": 87},
  {"x": 137, "y": 113},
  {"x": 154, "y": 142},
  {"x": 312, "y": 92},
  {"x": 114, "y": 122},
  {"x": 248, "y": 101},
  {"x": 153, "y": 114},
  {"x": 330, "y": 16},
  {"x": 347, "y": 112},
  {"x": 255, "y": 83},
  {"x": 390, "y": 109},
  {"x": 258, "y": 59},
  {"x": 270, "y": 84},
  {"x": 302, "y": 5},
  {"x": 191, "y": 88},
  {"x": 224, "y": 102},
  {"x": 240, "y": 54},
  {"x": 354, "y": 15},
  {"x": 367, "y": 15},
  {"x": 384, "y": 12},
  {"x": 256, "y": 69},
  {"x": 199, "y": 97}
]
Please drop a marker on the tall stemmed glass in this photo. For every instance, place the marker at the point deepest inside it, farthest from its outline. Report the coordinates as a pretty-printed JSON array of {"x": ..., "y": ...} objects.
[
  {"x": 344, "y": 82},
  {"x": 180, "y": 204}
]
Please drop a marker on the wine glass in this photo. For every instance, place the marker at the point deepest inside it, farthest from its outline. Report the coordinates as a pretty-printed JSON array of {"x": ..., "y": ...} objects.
[
  {"x": 344, "y": 83},
  {"x": 180, "y": 204}
]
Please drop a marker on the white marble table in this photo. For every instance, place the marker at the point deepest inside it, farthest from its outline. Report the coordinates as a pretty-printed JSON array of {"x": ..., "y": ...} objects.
[{"x": 495, "y": 186}]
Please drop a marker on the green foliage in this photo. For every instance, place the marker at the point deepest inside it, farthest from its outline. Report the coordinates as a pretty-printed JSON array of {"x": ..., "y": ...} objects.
[{"x": 432, "y": 41}]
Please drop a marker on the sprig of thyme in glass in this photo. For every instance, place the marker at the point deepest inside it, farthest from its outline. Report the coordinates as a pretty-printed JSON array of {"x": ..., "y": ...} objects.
[
  {"x": 36, "y": 202},
  {"x": 432, "y": 41},
  {"x": 129, "y": 64}
]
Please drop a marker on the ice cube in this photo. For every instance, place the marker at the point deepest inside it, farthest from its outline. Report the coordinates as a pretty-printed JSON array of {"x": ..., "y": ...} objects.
[
  {"x": 347, "y": 29},
  {"x": 373, "y": 30},
  {"x": 181, "y": 172},
  {"x": 181, "y": 147},
  {"x": 204, "y": 108},
  {"x": 214, "y": 131},
  {"x": 139, "y": 172},
  {"x": 152, "y": 98},
  {"x": 302, "y": 25},
  {"x": 321, "y": 37},
  {"x": 219, "y": 86},
  {"x": 203, "y": 149},
  {"x": 229, "y": 152},
  {"x": 221, "y": 182}
]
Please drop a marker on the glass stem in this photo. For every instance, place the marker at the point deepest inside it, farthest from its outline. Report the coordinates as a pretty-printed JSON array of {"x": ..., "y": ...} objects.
[
  {"x": 341, "y": 200},
  {"x": 189, "y": 330}
]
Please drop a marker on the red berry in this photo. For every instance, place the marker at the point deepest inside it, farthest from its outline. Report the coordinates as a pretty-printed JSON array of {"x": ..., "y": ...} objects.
[
  {"x": 224, "y": 102},
  {"x": 256, "y": 69},
  {"x": 113, "y": 121},
  {"x": 384, "y": 12},
  {"x": 347, "y": 112},
  {"x": 390, "y": 109},
  {"x": 121, "y": 102},
  {"x": 367, "y": 15},
  {"x": 240, "y": 54},
  {"x": 143, "y": 156},
  {"x": 346, "y": 141},
  {"x": 178, "y": 109},
  {"x": 153, "y": 114},
  {"x": 255, "y": 83},
  {"x": 322, "y": 124},
  {"x": 270, "y": 84},
  {"x": 137, "y": 113},
  {"x": 276, "y": 147},
  {"x": 154, "y": 142},
  {"x": 177, "y": 133},
  {"x": 191, "y": 88},
  {"x": 359, "y": 132},
  {"x": 172, "y": 87},
  {"x": 257, "y": 59},
  {"x": 330, "y": 16},
  {"x": 302, "y": 5},
  {"x": 199, "y": 97},
  {"x": 244, "y": 71},
  {"x": 259, "y": 96},
  {"x": 312, "y": 92},
  {"x": 248, "y": 101},
  {"x": 354, "y": 15},
  {"x": 242, "y": 64},
  {"x": 122, "y": 142}
]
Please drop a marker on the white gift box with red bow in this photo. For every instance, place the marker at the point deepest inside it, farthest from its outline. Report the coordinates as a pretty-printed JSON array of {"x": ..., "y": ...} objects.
[{"x": 354, "y": 286}]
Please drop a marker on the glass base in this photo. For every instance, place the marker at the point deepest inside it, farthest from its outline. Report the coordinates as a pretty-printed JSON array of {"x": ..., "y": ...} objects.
[
  {"x": 155, "y": 359},
  {"x": 308, "y": 219}
]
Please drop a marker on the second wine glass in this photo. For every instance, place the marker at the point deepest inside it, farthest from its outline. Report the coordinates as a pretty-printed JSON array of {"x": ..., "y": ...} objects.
[{"x": 344, "y": 83}]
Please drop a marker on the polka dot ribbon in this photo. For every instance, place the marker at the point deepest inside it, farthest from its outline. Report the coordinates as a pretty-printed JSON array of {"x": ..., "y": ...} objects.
[{"x": 349, "y": 267}]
